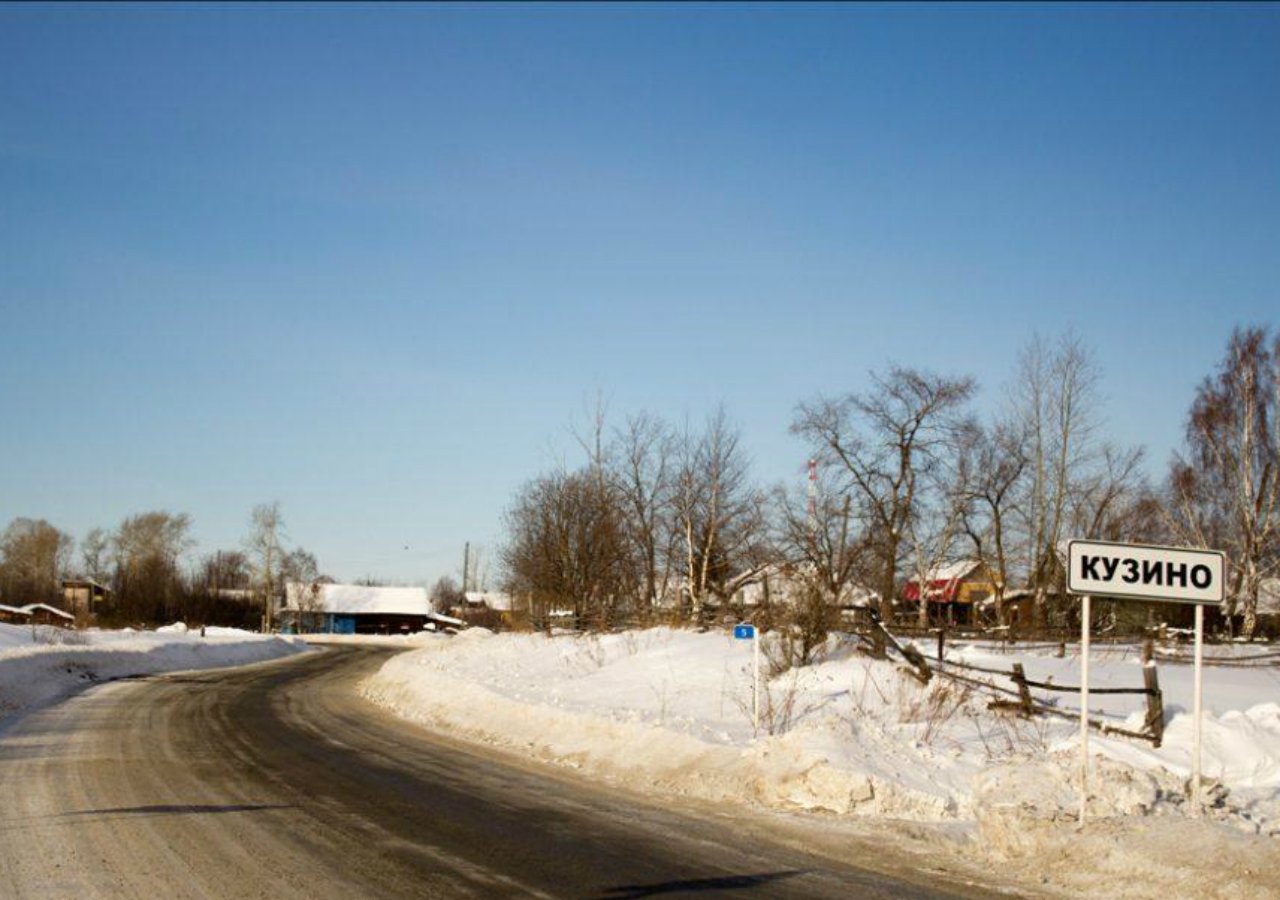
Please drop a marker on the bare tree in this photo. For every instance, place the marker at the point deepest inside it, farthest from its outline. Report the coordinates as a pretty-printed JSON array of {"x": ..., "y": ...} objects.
[
  {"x": 881, "y": 440},
  {"x": 147, "y": 548},
  {"x": 1053, "y": 402},
  {"x": 446, "y": 594},
  {"x": 996, "y": 463},
  {"x": 265, "y": 547},
  {"x": 719, "y": 517},
  {"x": 825, "y": 542},
  {"x": 33, "y": 559},
  {"x": 642, "y": 471},
  {"x": 1225, "y": 488},
  {"x": 1103, "y": 502},
  {"x": 95, "y": 555},
  {"x": 935, "y": 524},
  {"x": 566, "y": 549}
]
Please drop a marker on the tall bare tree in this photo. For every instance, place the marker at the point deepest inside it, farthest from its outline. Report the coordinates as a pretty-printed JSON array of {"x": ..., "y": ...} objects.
[
  {"x": 1225, "y": 487},
  {"x": 1054, "y": 401},
  {"x": 996, "y": 463},
  {"x": 265, "y": 546},
  {"x": 148, "y": 548},
  {"x": 881, "y": 440},
  {"x": 642, "y": 471},
  {"x": 95, "y": 555},
  {"x": 719, "y": 516},
  {"x": 566, "y": 549}
]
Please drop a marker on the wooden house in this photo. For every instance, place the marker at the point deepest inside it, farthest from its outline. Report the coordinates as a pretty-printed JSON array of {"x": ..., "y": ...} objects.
[
  {"x": 12, "y": 615},
  {"x": 44, "y": 614},
  {"x": 83, "y": 596},
  {"x": 953, "y": 590}
]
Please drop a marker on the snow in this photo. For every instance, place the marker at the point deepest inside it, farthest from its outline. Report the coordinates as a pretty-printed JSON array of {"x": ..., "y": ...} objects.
[
  {"x": 669, "y": 711},
  {"x": 44, "y": 664},
  {"x": 354, "y": 599}
]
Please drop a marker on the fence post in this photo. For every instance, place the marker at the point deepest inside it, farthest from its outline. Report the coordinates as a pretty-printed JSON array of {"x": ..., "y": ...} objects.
[
  {"x": 942, "y": 640},
  {"x": 1024, "y": 692},
  {"x": 1155, "y": 699}
]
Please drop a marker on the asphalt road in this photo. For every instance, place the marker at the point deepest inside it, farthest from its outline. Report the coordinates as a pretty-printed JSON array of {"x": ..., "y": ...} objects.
[{"x": 279, "y": 781}]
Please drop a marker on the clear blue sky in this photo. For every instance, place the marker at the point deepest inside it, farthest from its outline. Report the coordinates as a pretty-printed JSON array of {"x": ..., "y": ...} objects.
[{"x": 370, "y": 261}]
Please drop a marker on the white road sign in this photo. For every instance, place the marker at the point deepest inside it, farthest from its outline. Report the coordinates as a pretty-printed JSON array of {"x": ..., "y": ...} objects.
[{"x": 1142, "y": 572}]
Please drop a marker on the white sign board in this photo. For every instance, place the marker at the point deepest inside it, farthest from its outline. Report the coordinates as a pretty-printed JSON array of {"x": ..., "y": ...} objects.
[{"x": 1142, "y": 572}]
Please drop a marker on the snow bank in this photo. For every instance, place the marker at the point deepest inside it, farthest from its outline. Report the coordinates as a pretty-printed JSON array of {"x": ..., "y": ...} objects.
[
  {"x": 669, "y": 711},
  {"x": 42, "y": 665}
]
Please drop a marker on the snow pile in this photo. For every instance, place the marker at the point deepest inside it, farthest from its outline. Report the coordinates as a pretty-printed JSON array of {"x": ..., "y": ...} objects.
[
  {"x": 669, "y": 711},
  {"x": 44, "y": 664}
]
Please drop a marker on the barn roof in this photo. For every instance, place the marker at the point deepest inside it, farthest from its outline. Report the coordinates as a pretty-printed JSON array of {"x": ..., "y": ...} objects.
[
  {"x": 360, "y": 599},
  {"x": 32, "y": 608}
]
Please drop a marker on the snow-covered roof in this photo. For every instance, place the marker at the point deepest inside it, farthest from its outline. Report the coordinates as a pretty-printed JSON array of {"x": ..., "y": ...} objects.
[
  {"x": 358, "y": 599},
  {"x": 951, "y": 571},
  {"x": 32, "y": 608},
  {"x": 493, "y": 599},
  {"x": 13, "y": 609}
]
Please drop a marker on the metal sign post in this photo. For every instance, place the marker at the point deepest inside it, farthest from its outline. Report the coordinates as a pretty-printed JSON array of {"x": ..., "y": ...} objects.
[
  {"x": 1199, "y": 695},
  {"x": 751, "y": 633},
  {"x": 1154, "y": 574},
  {"x": 1084, "y": 705}
]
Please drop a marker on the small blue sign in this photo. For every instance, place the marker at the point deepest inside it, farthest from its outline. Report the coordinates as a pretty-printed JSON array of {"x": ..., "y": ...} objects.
[{"x": 744, "y": 632}]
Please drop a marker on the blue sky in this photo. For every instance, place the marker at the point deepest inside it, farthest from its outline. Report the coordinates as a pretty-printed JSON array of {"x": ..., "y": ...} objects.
[{"x": 371, "y": 261}]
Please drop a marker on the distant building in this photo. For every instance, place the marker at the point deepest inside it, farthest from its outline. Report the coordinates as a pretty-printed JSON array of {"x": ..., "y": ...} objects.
[
  {"x": 12, "y": 615},
  {"x": 84, "y": 596},
  {"x": 954, "y": 589},
  {"x": 487, "y": 609},
  {"x": 354, "y": 609},
  {"x": 44, "y": 614}
]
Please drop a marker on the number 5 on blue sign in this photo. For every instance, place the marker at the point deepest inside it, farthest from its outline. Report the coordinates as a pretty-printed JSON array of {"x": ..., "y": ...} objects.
[{"x": 744, "y": 632}]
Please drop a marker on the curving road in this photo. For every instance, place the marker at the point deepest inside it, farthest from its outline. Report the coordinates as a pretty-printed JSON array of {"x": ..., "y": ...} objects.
[{"x": 278, "y": 781}]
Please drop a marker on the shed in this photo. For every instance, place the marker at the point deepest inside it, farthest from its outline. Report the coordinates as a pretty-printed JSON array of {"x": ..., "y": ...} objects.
[
  {"x": 44, "y": 614},
  {"x": 12, "y": 615},
  {"x": 354, "y": 609}
]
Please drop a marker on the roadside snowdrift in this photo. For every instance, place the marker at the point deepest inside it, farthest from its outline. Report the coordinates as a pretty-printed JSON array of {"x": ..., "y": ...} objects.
[
  {"x": 46, "y": 664},
  {"x": 669, "y": 711}
]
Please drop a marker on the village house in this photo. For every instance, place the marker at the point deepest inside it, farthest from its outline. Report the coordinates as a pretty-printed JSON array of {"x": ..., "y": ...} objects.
[
  {"x": 83, "y": 596},
  {"x": 953, "y": 590},
  {"x": 44, "y": 614},
  {"x": 12, "y": 615},
  {"x": 355, "y": 609}
]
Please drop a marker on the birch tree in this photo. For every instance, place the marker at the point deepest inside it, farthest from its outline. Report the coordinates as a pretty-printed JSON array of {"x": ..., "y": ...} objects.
[
  {"x": 265, "y": 546},
  {"x": 718, "y": 516},
  {"x": 1054, "y": 399},
  {"x": 1225, "y": 486}
]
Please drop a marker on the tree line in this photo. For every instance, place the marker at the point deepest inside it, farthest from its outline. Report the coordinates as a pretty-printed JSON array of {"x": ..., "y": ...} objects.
[
  {"x": 142, "y": 563},
  {"x": 669, "y": 520}
]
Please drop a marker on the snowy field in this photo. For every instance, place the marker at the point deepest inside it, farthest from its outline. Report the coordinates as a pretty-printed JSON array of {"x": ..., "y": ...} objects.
[
  {"x": 853, "y": 739},
  {"x": 43, "y": 664}
]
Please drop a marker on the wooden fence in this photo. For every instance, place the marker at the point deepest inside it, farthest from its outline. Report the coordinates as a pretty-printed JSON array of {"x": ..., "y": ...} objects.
[{"x": 1018, "y": 696}]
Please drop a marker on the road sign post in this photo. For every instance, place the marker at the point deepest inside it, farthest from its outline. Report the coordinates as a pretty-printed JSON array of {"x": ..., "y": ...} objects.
[
  {"x": 1155, "y": 574},
  {"x": 1084, "y": 705},
  {"x": 744, "y": 633}
]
